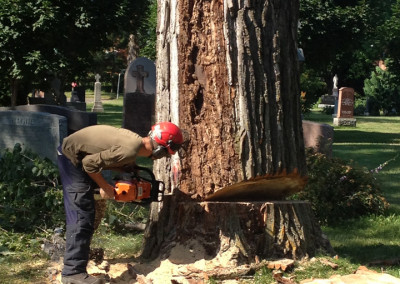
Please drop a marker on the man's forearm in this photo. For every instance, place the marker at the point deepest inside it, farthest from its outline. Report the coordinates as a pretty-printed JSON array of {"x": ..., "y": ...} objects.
[{"x": 103, "y": 184}]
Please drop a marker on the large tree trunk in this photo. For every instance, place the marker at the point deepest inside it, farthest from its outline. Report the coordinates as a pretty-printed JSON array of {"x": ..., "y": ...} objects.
[{"x": 227, "y": 72}]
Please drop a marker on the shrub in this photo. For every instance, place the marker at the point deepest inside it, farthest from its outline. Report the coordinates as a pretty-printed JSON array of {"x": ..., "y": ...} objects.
[
  {"x": 338, "y": 191},
  {"x": 328, "y": 110},
  {"x": 360, "y": 106},
  {"x": 30, "y": 195},
  {"x": 312, "y": 88},
  {"x": 383, "y": 91}
]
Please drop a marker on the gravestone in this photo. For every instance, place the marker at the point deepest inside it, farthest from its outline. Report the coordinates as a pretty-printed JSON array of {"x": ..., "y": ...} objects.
[
  {"x": 345, "y": 108},
  {"x": 318, "y": 136},
  {"x": 139, "y": 97},
  {"x": 77, "y": 100},
  {"x": 40, "y": 132},
  {"x": 74, "y": 97},
  {"x": 327, "y": 101},
  {"x": 98, "y": 105},
  {"x": 80, "y": 92},
  {"x": 75, "y": 119}
]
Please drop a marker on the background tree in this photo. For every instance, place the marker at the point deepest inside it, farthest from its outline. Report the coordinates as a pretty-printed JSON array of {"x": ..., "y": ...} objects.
[
  {"x": 344, "y": 38},
  {"x": 38, "y": 38},
  {"x": 389, "y": 38}
]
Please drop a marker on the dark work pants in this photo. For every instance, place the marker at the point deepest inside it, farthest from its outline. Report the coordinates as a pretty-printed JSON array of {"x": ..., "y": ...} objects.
[{"x": 80, "y": 213}]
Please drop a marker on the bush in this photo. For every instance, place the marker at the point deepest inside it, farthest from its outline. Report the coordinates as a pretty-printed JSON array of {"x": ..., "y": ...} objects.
[
  {"x": 30, "y": 195},
  {"x": 360, "y": 106},
  {"x": 338, "y": 191},
  {"x": 312, "y": 88},
  {"x": 329, "y": 110},
  {"x": 383, "y": 92}
]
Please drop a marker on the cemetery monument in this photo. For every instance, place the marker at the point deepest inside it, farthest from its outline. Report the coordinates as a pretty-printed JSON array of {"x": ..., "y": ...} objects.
[
  {"x": 345, "y": 108},
  {"x": 139, "y": 97},
  {"x": 98, "y": 105}
]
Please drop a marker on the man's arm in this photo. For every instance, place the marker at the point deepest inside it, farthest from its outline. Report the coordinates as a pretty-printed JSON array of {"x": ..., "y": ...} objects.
[{"x": 106, "y": 189}]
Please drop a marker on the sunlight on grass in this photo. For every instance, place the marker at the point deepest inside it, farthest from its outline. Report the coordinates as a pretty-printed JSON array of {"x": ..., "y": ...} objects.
[
  {"x": 118, "y": 245},
  {"x": 374, "y": 141},
  {"x": 366, "y": 239},
  {"x": 23, "y": 267},
  {"x": 113, "y": 111}
]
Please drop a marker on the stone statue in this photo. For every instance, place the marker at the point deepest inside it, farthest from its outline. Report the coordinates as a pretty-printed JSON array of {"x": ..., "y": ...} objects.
[
  {"x": 335, "y": 81},
  {"x": 133, "y": 49}
]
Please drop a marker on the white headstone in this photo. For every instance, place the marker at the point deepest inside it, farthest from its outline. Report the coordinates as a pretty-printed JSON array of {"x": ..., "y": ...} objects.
[{"x": 98, "y": 105}]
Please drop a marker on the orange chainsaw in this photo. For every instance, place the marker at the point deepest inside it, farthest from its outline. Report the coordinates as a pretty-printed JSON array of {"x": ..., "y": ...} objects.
[{"x": 140, "y": 189}]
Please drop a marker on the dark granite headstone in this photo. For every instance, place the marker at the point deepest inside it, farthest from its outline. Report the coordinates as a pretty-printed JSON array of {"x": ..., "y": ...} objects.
[
  {"x": 139, "y": 96},
  {"x": 76, "y": 119},
  {"x": 80, "y": 92}
]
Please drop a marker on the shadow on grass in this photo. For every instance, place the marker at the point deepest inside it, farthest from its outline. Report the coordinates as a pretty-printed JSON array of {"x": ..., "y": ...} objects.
[
  {"x": 356, "y": 136},
  {"x": 367, "y": 255}
]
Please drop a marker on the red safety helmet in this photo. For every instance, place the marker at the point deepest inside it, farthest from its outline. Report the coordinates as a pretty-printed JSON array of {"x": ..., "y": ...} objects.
[{"x": 168, "y": 135}]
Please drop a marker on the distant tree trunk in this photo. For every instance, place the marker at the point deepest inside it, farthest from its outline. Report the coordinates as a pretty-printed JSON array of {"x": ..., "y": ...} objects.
[
  {"x": 227, "y": 72},
  {"x": 14, "y": 91}
]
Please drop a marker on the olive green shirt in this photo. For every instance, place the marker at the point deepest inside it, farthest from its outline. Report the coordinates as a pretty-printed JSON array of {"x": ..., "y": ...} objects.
[{"x": 101, "y": 147}]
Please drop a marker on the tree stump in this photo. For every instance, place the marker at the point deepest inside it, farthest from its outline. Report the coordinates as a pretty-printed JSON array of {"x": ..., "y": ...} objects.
[{"x": 235, "y": 233}]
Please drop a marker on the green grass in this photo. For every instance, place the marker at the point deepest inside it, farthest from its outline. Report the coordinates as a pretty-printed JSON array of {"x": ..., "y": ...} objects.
[
  {"x": 373, "y": 142},
  {"x": 113, "y": 111}
]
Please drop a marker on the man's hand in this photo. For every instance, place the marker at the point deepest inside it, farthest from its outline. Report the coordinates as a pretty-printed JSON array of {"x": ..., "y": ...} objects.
[
  {"x": 107, "y": 194},
  {"x": 106, "y": 189}
]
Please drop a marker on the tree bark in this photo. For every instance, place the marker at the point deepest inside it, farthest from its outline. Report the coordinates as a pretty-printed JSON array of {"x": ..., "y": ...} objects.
[{"x": 227, "y": 72}]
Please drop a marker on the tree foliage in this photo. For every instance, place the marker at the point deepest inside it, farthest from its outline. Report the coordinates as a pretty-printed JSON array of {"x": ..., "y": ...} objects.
[
  {"x": 344, "y": 38},
  {"x": 383, "y": 92},
  {"x": 42, "y": 37},
  {"x": 30, "y": 194}
]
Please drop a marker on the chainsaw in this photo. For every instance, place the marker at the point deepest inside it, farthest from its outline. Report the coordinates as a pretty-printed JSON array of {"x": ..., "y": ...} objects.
[{"x": 140, "y": 189}]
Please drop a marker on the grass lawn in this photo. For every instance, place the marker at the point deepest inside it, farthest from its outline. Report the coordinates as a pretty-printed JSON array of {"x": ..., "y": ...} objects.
[
  {"x": 373, "y": 142},
  {"x": 365, "y": 241}
]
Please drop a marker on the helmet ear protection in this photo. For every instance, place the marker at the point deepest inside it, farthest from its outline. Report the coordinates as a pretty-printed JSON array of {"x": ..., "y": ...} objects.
[
  {"x": 166, "y": 138},
  {"x": 160, "y": 152}
]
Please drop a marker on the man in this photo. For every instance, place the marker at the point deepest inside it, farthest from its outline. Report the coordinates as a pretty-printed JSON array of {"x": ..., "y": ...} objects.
[{"x": 81, "y": 158}]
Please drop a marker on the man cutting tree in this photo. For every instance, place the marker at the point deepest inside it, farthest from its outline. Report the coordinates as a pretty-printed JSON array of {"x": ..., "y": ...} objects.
[{"x": 81, "y": 158}]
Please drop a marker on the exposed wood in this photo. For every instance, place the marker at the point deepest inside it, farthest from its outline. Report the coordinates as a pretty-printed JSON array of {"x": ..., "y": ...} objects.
[
  {"x": 267, "y": 187},
  {"x": 282, "y": 264}
]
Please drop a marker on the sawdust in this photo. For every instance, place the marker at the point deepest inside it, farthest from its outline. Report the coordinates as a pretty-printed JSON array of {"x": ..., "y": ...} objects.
[{"x": 189, "y": 264}]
